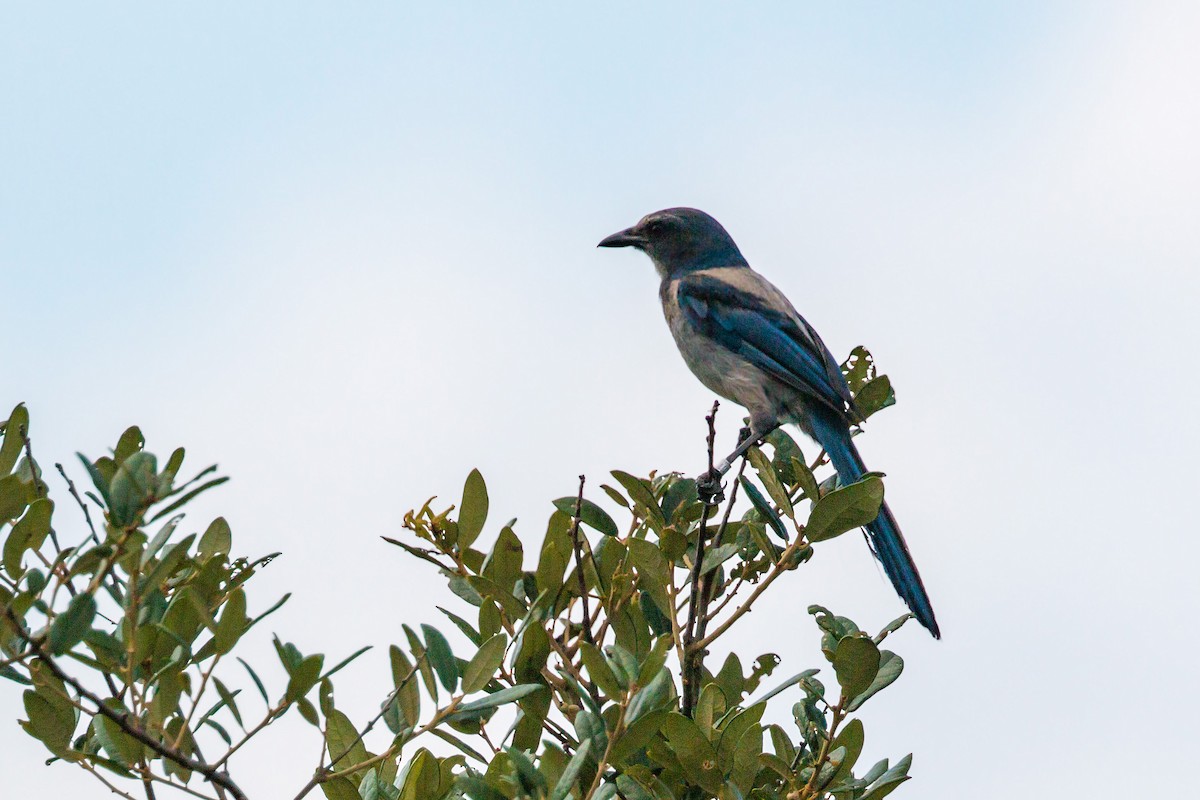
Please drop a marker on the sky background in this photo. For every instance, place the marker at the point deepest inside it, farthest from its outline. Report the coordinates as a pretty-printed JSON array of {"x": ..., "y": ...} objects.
[{"x": 348, "y": 252}]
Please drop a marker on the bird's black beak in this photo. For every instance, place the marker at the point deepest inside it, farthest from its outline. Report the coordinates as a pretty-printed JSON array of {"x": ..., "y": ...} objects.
[{"x": 626, "y": 238}]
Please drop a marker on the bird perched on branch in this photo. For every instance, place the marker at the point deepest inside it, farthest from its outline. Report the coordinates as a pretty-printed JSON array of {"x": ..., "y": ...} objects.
[{"x": 744, "y": 340}]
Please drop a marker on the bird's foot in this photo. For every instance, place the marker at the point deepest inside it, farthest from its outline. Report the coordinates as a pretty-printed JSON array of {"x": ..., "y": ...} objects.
[
  {"x": 709, "y": 488},
  {"x": 744, "y": 435}
]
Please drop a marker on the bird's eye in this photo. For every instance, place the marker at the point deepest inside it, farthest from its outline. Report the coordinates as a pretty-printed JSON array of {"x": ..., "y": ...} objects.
[{"x": 656, "y": 226}]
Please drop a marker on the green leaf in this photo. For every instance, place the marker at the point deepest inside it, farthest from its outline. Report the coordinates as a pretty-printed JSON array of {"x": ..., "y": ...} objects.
[
  {"x": 133, "y": 487},
  {"x": 182, "y": 501},
  {"x": 509, "y": 695},
  {"x": 339, "y": 788},
  {"x": 590, "y": 514},
  {"x": 27, "y": 533},
  {"x": 408, "y": 696},
  {"x": 450, "y": 738},
  {"x": 732, "y": 731},
  {"x": 484, "y": 663},
  {"x": 257, "y": 682},
  {"x": 166, "y": 566},
  {"x": 695, "y": 753},
  {"x": 845, "y": 509},
  {"x": 850, "y": 738},
  {"x": 14, "y": 496},
  {"x": 473, "y": 510},
  {"x": 343, "y": 742},
  {"x": 679, "y": 495},
  {"x": 805, "y": 478},
  {"x": 789, "y": 683},
  {"x": 653, "y": 571},
  {"x": 440, "y": 657},
  {"x": 566, "y": 781},
  {"x": 131, "y": 441},
  {"x": 891, "y": 779},
  {"x": 228, "y": 698},
  {"x": 98, "y": 479},
  {"x": 119, "y": 745},
  {"x": 716, "y": 556},
  {"x": 770, "y": 480},
  {"x": 636, "y": 737},
  {"x": 601, "y": 674},
  {"x": 51, "y": 722},
  {"x": 875, "y": 396},
  {"x": 643, "y": 496},
  {"x": 531, "y": 650},
  {"x": 303, "y": 677},
  {"x": 217, "y": 538},
  {"x": 764, "y": 509},
  {"x": 654, "y": 661},
  {"x": 893, "y": 626},
  {"x": 650, "y": 697},
  {"x": 890, "y": 667},
  {"x": 69, "y": 628},
  {"x": 504, "y": 563},
  {"x": 232, "y": 623},
  {"x": 555, "y": 554},
  {"x": 423, "y": 666},
  {"x": 856, "y": 662},
  {"x": 476, "y": 788},
  {"x": 858, "y": 368},
  {"x": 465, "y": 627},
  {"x": 347, "y": 660},
  {"x": 15, "y": 431}
]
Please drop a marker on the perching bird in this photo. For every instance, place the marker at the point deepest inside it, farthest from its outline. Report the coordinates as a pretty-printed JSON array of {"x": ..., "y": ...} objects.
[{"x": 744, "y": 340}]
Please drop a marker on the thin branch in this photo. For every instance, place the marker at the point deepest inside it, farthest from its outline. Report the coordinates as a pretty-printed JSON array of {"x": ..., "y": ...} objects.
[
  {"x": 322, "y": 774},
  {"x": 82, "y": 506},
  {"x": 744, "y": 608},
  {"x": 583, "y": 594},
  {"x": 179, "y": 786},
  {"x": 107, "y": 783},
  {"x": 204, "y": 676},
  {"x": 706, "y": 580},
  {"x": 371, "y": 725}
]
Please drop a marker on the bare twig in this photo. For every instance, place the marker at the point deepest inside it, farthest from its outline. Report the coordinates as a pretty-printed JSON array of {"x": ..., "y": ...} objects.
[
  {"x": 82, "y": 506},
  {"x": 583, "y": 594},
  {"x": 107, "y": 783}
]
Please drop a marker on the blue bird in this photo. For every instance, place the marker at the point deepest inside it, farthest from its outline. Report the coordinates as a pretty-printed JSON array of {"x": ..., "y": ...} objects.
[{"x": 744, "y": 340}]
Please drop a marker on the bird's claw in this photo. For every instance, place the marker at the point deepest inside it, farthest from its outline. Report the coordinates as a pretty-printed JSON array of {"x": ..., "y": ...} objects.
[
  {"x": 744, "y": 435},
  {"x": 709, "y": 488}
]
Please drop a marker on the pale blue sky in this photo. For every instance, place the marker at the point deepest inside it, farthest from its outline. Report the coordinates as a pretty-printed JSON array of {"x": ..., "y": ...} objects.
[{"x": 349, "y": 254}]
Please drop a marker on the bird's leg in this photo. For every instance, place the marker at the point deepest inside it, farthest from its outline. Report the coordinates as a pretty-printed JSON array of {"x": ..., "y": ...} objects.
[{"x": 708, "y": 485}]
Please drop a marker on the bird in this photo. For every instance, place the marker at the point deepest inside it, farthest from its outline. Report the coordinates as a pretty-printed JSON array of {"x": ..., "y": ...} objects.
[{"x": 746, "y": 342}]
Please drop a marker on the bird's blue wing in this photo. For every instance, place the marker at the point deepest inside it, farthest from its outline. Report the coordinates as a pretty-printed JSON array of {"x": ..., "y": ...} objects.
[{"x": 777, "y": 340}]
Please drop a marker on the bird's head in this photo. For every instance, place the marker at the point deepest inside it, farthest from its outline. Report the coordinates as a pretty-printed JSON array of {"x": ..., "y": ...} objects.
[{"x": 680, "y": 240}]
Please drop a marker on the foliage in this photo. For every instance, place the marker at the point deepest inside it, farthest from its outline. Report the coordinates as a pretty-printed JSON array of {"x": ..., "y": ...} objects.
[{"x": 583, "y": 674}]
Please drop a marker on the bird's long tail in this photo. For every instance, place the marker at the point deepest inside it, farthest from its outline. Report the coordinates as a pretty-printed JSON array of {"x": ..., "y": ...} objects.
[{"x": 884, "y": 534}]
